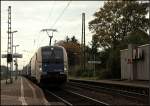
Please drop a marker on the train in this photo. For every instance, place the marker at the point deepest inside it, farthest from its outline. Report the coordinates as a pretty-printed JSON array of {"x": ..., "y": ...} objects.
[{"x": 48, "y": 66}]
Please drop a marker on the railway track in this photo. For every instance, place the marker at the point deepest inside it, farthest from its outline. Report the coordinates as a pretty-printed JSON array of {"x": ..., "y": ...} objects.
[
  {"x": 75, "y": 93},
  {"x": 72, "y": 98},
  {"x": 134, "y": 90},
  {"x": 141, "y": 98}
]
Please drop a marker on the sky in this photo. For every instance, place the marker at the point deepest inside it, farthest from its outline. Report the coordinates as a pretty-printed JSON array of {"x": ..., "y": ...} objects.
[{"x": 30, "y": 17}]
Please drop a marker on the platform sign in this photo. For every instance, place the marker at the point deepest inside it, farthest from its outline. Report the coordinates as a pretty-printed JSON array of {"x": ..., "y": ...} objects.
[
  {"x": 94, "y": 62},
  {"x": 14, "y": 55},
  {"x": 17, "y": 55},
  {"x": 4, "y": 55}
]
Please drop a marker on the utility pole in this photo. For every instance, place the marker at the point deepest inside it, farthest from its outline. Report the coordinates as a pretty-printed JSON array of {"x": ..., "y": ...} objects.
[
  {"x": 83, "y": 42},
  {"x": 9, "y": 56},
  {"x": 94, "y": 69},
  {"x": 16, "y": 63},
  {"x": 53, "y": 30},
  {"x": 9, "y": 48},
  {"x": 149, "y": 51}
]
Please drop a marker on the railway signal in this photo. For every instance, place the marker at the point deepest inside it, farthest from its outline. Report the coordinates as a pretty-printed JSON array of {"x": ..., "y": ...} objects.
[{"x": 9, "y": 58}]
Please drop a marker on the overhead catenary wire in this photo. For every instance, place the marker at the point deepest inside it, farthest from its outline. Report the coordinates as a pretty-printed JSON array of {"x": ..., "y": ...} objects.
[
  {"x": 46, "y": 21},
  {"x": 61, "y": 14},
  {"x": 50, "y": 14},
  {"x": 57, "y": 19}
]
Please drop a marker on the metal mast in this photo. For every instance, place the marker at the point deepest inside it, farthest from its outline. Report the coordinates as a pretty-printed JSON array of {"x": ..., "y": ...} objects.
[
  {"x": 83, "y": 42},
  {"x": 9, "y": 47}
]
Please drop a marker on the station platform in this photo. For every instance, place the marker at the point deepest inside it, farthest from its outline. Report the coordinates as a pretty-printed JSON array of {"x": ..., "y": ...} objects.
[
  {"x": 136, "y": 83},
  {"x": 21, "y": 92},
  {"x": 132, "y": 83}
]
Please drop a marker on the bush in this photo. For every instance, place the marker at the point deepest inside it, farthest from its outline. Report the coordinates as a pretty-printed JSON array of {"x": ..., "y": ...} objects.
[{"x": 103, "y": 74}]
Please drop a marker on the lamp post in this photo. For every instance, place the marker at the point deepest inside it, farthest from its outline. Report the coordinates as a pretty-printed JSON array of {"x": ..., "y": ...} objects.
[
  {"x": 12, "y": 39},
  {"x": 12, "y": 53},
  {"x": 16, "y": 64}
]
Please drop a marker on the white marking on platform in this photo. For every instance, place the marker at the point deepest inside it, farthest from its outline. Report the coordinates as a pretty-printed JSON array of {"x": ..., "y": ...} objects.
[{"x": 22, "y": 98}]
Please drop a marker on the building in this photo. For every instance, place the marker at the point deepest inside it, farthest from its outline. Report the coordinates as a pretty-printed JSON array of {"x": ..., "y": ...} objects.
[{"x": 135, "y": 62}]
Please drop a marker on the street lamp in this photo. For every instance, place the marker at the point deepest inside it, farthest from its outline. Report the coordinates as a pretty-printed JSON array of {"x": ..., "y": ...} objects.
[
  {"x": 12, "y": 39},
  {"x": 12, "y": 44},
  {"x": 16, "y": 64},
  {"x": 15, "y": 47},
  {"x": 12, "y": 53}
]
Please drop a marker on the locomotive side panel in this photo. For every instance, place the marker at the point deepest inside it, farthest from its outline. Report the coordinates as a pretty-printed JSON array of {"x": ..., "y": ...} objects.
[
  {"x": 33, "y": 64},
  {"x": 38, "y": 65}
]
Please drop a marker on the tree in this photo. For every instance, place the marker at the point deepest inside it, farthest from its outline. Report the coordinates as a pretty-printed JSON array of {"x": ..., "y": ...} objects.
[
  {"x": 112, "y": 25},
  {"x": 73, "y": 50},
  {"x": 67, "y": 39},
  {"x": 74, "y": 40},
  {"x": 116, "y": 19},
  {"x": 138, "y": 37},
  {"x": 3, "y": 72}
]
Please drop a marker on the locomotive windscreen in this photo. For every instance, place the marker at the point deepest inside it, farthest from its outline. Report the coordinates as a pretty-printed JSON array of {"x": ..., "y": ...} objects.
[{"x": 52, "y": 55}]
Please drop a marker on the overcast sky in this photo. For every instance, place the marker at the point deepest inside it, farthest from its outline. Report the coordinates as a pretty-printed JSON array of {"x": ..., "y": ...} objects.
[{"x": 30, "y": 17}]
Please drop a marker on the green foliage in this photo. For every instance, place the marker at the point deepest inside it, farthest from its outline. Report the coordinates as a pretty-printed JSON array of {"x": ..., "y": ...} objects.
[
  {"x": 117, "y": 24},
  {"x": 103, "y": 74},
  {"x": 3, "y": 72},
  {"x": 113, "y": 63},
  {"x": 116, "y": 19},
  {"x": 138, "y": 37},
  {"x": 84, "y": 73},
  {"x": 73, "y": 50}
]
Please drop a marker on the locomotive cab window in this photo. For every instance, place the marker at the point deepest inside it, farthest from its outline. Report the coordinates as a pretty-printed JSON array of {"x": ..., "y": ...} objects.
[{"x": 54, "y": 55}]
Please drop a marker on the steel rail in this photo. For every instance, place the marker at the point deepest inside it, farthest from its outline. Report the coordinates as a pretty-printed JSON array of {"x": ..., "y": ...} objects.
[
  {"x": 74, "y": 93},
  {"x": 136, "y": 89},
  {"x": 103, "y": 103},
  {"x": 114, "y": 91},
  {"x": 63, "y": 100},
  {"x": 101, "y": 87}
]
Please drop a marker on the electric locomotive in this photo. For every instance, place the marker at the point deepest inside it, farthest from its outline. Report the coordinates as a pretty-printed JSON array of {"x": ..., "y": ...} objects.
[
  {"x": 49, "y": 65},
  {"x": 26, "y": 72}
]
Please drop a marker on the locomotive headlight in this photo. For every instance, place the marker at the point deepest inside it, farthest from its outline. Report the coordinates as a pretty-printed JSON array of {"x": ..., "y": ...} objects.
[
  {"x": 65, "y": 69},
  {"x": 40, "y": 68}
]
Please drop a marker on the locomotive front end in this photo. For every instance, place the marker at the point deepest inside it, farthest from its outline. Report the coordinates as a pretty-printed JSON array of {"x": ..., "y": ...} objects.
[{"x": 53, "y": 67}]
